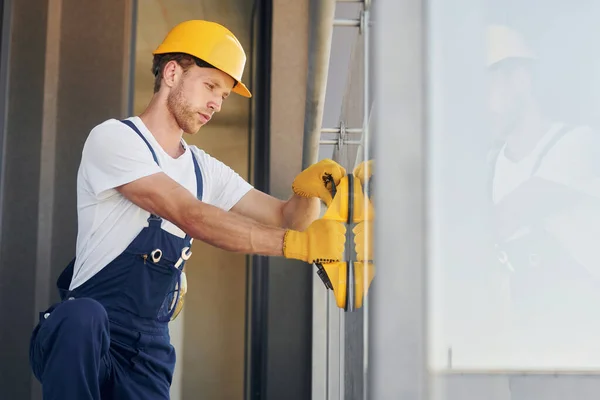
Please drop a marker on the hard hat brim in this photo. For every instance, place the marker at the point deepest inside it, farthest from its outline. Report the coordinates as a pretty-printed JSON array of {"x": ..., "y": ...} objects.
[{"x": 242, "y": 90}]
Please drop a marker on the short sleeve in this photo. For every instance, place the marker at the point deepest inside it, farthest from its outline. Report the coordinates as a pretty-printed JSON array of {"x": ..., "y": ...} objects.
[
  {"x": 114, "y": 155},
  {"x": 224, "y": 187},
  {"x": 574, "y": 161}
]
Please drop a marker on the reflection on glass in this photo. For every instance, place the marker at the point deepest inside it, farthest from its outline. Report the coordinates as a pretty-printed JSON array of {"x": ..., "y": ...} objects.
[
  {"x": 543, "y": 215},
  {"x": 515, "y": 188}
]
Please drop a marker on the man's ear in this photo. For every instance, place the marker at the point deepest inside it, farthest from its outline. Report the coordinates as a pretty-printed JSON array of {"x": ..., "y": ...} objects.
[{"x": 171, "y": 73}]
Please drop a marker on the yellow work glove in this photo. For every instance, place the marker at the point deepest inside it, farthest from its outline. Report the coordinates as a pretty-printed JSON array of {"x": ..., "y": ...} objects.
[
  {"x": 363, "y": 241},
  {"x": 364, "y": 267},
  {"x": 364, "y": 214},
  {"x": 316, "y": 180},
  {"x": 364, "y": 170},
  {"x": 322, "y": 242}
]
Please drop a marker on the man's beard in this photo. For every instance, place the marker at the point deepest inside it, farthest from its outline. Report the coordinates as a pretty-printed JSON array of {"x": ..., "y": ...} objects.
[{"x": 181, "y": 111}]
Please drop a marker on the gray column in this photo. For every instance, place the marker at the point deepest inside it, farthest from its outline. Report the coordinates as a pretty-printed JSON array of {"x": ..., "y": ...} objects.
[
  {"x": 68, "y": 63},
  {"x": 289, "y": 328},
  {"x": 397, "y": 313},
  {"x": 25, "y": 23}
]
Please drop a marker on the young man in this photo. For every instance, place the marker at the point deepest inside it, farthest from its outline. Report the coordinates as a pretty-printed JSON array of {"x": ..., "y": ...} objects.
[
  {"x": 545, "y": 201},
  {"x": 143, "y": 196}
]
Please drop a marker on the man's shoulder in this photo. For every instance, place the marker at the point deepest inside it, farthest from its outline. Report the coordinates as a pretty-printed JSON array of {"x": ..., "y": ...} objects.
[
  {"x": 108, "y": 126},
  {"x": 203, "y": 157},
  {"x": 573, "y": 138},
  {"x": 198, "y": 151},
  {"x": 583, "y": 133},
  {"x": 111, "y": 133},
  {"x": 212, "y": 166}
]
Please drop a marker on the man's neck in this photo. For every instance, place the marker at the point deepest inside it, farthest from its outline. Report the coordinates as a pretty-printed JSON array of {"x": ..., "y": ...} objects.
[{"x": 161, "y": 123}]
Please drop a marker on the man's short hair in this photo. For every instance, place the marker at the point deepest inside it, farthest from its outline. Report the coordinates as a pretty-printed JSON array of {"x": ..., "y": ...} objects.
[{"x": 185, "y": 61}]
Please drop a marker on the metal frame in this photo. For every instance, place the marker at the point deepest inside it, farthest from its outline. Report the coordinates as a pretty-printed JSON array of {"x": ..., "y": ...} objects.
[
  {"x": 257, "y": 312},
  {"x": 330, "y": 366},
  {"x": 5, "y": 40},
  {"x": 321, "y": 13},
  {"x": 131, "y": 24}
]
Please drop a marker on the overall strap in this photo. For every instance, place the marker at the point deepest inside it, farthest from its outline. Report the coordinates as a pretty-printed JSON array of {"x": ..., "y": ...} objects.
[
  {"x": 549, "y": 146},
  {"x": 136, "y": 130},
  {"x": 199, "y": 182},
  {"x": 495, "y": 153},
  {"x": 491, "y": 160},
  {"x": 153, "y": 219},
  {"x": 199, "y": 186}
]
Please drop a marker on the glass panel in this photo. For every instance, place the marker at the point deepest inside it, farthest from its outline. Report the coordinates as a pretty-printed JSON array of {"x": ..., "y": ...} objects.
[
  {"x": 513, "y": 94},
  {"x": 212, "y": 341}
]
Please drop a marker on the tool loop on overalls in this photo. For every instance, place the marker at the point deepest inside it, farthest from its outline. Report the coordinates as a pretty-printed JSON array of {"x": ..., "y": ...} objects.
[
  {"x": 186, "y": 253},
  {"x": 156, "y": 255},
  {"x": 181, "y": 287}
]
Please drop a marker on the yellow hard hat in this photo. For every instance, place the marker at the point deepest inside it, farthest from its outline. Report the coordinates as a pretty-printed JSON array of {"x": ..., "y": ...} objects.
[
  {"x": 503, "y": 43},
  {"x": 209, "y": 42}
]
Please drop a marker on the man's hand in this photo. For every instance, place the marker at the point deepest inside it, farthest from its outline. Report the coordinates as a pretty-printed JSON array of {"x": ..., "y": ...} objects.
[
  {"x": 363, "y": 241},
  {"x": 364, "y": 171},
  {"x": 316, "y": 180},
  {"x": 322, "y": 242}
]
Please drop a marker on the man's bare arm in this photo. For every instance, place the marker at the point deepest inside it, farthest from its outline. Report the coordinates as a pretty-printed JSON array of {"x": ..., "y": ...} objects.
[
  {"x": 164, "y": 197},
  {"x": 296, "y": 213}
]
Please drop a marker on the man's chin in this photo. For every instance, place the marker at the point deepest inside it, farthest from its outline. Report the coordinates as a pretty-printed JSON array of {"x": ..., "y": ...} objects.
[{"x": 191, "y": 130}]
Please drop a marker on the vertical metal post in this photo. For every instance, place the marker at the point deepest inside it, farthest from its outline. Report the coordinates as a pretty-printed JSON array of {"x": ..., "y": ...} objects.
[
  {"x": 258, "y": 284},
  {"x": 398, "y": 307},
  {"x": 324, "y": 352},
  {"x": 5, "y": 31},
  {"x": 321, "y": 19},
  {"x": 131, "y": 23}
]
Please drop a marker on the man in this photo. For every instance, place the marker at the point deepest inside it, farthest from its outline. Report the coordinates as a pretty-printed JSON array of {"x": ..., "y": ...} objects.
[
  {"x": 143, "y": 196},
  {"x": 545, "y": 201}
]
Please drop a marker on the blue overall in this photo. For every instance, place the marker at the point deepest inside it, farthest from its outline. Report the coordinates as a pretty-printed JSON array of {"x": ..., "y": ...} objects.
[{"x": 109, "y": 338}]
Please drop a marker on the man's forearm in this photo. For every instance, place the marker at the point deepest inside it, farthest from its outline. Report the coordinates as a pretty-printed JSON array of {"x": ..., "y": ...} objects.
[
  {"x": 299, "y": 212},
  {"x": 232, "y": 232}
]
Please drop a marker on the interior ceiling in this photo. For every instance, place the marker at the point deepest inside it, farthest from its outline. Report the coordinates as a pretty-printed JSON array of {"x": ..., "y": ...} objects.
[{"x": 157, "y": 17}]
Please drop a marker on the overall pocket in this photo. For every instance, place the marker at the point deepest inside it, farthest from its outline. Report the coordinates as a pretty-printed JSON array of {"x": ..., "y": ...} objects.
[
  {"x": 147, "y": 285},
  {"x": 171, "y": 299}
]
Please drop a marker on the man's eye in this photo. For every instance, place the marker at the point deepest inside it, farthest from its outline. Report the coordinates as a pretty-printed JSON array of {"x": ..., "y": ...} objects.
[{"x": 211, "y": 87}]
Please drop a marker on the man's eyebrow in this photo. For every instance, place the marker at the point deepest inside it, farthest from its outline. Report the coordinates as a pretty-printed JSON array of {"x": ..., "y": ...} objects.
[
  {"x": 214, "y": 82},
  {"x": 218, "y": 85}
]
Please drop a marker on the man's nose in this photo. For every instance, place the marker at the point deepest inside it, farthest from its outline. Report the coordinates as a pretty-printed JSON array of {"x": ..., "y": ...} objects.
[{"x": 215, "y": 105}]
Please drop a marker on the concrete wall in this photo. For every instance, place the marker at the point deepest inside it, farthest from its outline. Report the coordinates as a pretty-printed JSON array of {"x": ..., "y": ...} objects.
[{"x": 288, "y": 370}]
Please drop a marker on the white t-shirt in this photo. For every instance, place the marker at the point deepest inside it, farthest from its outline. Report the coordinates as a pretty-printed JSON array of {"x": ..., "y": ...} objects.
[
  {"x": 114, "y": 155},
  {"x": 572, "y": 161},
  {"x": 567, "y": 336}
]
